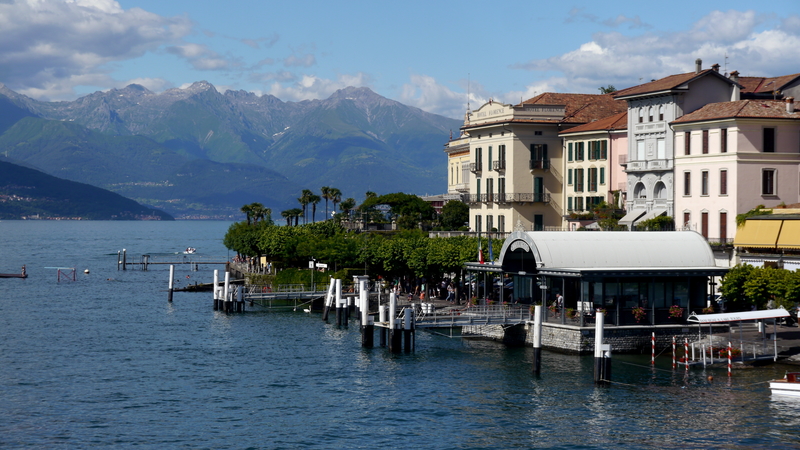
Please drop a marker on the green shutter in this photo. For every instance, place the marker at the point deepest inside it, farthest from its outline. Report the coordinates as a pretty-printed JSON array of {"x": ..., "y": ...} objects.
[
  {"x": 604, "y": 150},
  {"x": 569, "y": 203},
  {"x": 602, "y": 175},
  {"x": 569, "y": 151},
  {"x": 569, "y": 176}
]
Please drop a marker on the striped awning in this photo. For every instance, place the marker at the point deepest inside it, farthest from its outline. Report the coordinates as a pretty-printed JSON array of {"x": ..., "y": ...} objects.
[
  {"x": 758, "y": 233},
  {"x": 790, "y": 235}
]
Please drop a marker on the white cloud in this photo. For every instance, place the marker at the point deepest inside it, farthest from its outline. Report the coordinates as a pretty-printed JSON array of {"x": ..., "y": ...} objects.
[
  {"x": 614, "y": 58},
  {"x": 49, "y": 46},
  {"x": 427, "y": 94},
  {"x": 310, "y": 87}
]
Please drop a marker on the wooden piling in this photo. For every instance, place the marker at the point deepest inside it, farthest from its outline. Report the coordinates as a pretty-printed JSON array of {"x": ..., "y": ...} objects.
[{"x": 408, "y": 330}]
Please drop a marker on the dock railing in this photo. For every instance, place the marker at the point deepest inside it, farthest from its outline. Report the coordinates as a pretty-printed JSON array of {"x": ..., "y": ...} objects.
[{"x": 471, "y": 315}]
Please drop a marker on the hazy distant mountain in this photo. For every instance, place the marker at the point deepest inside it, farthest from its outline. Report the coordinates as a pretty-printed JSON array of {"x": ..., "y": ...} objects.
[
  {"x": 25, "y": 192},
  {"x": 355, "y": 140}
]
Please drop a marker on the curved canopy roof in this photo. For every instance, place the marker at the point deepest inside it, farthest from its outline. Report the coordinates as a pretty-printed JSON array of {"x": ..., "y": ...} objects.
[{"x": 580, "y": 251}]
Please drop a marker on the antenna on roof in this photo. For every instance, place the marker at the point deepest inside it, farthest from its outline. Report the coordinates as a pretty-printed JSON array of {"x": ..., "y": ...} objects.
[{"x": 726, "y": 64}]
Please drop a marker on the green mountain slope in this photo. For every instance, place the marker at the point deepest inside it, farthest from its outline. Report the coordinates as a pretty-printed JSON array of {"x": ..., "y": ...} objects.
[{"x": 28, "y": 192}]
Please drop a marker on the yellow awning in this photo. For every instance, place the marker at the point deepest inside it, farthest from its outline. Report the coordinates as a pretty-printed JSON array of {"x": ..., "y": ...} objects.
[
  {"x": 758, "y": 233},
  {"x": 790, "y": 234}
]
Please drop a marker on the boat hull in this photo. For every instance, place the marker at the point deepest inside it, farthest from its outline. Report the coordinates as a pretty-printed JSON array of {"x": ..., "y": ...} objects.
[{"x": 784, "y": 388}]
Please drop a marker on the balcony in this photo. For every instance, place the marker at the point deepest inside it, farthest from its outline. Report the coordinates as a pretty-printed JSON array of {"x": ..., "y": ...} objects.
[
  {"x": 536, "y": 164},
  {"x": 475, "y": 167},
  {"x": 623, "y": 160},
  {"x": 499, "y": 165},
  {"x": 528, "y": 197},
  {"x": 651, "y": 165}
]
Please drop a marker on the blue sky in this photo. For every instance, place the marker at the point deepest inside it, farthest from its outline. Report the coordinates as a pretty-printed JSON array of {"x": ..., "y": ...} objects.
[{"x": 427, "y": 54}]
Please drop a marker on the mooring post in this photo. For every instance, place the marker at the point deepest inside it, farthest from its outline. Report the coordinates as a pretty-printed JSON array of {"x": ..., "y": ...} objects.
[
  {"x": 328, "y": 300},
  {"x": 339, "y": 312},
  {"x": 124, "y": 260},
  {"x": 602, "y": 354},
  {"x": 214, "y": 290},
  {"x": 346, "y": 304},
  {"x": 367, "y": 329},
  {"x": 226, "y": 291},
  {"x": 240, "y": 297},
  {"x": 653, "y": 348},
  {"x": 408, "y": 330},
  {"x": 674, "y": 362},
  {"x": 537, "y": 339},
  {"x": 383, "y": 331},
  {"x": 171, "y": 280},
  {"x": 394, "y": 333},
  {"x": 119, "y": 258}
]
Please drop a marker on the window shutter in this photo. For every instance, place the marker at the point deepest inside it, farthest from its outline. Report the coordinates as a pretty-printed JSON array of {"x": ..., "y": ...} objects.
[{"x": 604, "y": 150}]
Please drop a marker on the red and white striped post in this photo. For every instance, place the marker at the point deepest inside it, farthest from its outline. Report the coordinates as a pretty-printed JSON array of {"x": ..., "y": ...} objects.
[
  {"x": 674, "y": 364},
  {"x": 729, "y": 358},
  {"x": 653, "y": 349},
  {"x": 686, "y": 352}
]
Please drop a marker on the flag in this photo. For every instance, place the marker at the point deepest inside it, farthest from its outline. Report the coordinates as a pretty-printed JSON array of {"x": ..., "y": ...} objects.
[{"x": 480, "y": 255}]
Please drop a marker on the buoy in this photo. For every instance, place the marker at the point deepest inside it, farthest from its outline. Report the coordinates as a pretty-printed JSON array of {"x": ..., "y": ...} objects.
[{"x": 86, "y": 271}]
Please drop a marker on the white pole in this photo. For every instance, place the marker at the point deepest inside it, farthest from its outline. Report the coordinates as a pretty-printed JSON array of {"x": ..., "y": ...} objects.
[
  {"x": 171, "y": 280},
  {"x": 227, "y": 285},
  {"x": 216, "y": 283},
  {"x": 392, "y": 309}
]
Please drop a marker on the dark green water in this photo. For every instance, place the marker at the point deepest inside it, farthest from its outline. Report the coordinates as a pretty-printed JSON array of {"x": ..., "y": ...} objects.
[{"x": 106, "y": 362}]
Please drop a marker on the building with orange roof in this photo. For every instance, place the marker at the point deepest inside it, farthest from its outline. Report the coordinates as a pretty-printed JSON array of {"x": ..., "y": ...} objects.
[
  {"x": 594, "y": 173},
  {"x": 516, "y": 158},
  {"x": 730, "y": 158},
  {"x": 651, "y": 142}
]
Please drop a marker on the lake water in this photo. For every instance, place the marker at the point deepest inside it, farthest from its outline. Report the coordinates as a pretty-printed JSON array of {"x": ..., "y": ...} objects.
[{"x": 106, "y": 361}]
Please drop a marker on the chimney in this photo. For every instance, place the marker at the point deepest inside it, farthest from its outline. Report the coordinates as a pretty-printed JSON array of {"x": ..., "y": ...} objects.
[
  {"x": 790, "y": 105},
  {"x": 735, "y": 76},
  {"x": 698, "y": 65},
  {"x": 715, "y": 67}
]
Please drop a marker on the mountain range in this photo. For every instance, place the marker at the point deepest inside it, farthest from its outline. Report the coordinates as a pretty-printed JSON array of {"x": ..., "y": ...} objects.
[{"x": 196, "y": 153}]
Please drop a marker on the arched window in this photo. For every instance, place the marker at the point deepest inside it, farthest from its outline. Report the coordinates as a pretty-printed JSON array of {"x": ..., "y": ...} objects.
[
  {"x": 639, "y": 191},
  {"x": 650, "y": 114},
  {"x": 660, "y": 190},
  {"x": 661, "y": 112},
  {"x": 641, "y": 115}
]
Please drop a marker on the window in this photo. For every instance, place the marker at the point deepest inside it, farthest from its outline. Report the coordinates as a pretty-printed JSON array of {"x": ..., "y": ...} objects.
[
  {"x": 640, "y": 150},
  {"x": 704, "y": 183},
  {"x": 687, "y": 183},
  {"x": 704, "y": 224},
  {"x": 769, "y": 140},
  {"x": 723, "y": 182},
  {"x": 661, "y": 149},
  {"x": 768, "y": 182},
  {"x": 501, "y": 223},
  {"x": 603, "y": 149},
  {"x": 723, "y": 140},
  {"x": 489, "y": 193},
  {"x": 478, "y": 158},
  {"x": 723, "y": 227},
  {"x": 538, "y": 222},
  {"x": 661, "y": 112},
  {"x": 641, "y": 115},
  {"x": 687, "y": 220},
  {"x": 501, "y": 188},
  {"x": 569, "y": 176},
  {"x": 578, "y": 203},
  {"x": 569, "y": 203},
  {"x": 650, "y": 114},
  {"x": 489, "y": 223},
  {"x": 579, "y": 151},
  {"x": 569, "y": 152},
  {"x": 501, "y": 156},
  {"x": 489, "y": 165},
  {"x": 539, "y": 152},
  {"x": 687, "y": 143},
  {"x": 478, "y": 224},
  {"x": 602, "y": 175},
  {"x": 578, "y": 180},
  {"x": 593, "y": 179},
  {"x": 591, "y": 151},
  {"x": 705, "y": 142},
  {"x": 478, "y": 188},
  {"x": 537, "y": 133}
]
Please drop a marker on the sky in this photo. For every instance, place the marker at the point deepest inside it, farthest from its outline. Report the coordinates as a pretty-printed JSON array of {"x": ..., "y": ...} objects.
[{"x": 437, "y": 55}]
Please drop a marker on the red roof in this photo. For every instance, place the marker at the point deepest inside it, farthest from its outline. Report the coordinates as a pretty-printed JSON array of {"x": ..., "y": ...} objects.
[
  {"x": 763, "y": 85},
  {"x": 611, "y": 123},
  {"x": 581, "y": 108},
  {"x": 761, "y": 109},
  {"x": 665, "y": 84}
]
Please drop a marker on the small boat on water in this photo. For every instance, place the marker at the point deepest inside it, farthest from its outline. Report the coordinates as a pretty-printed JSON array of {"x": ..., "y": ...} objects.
[
  {"x": 189, "y": 250},
  {"x": 23, "y": 274},
  {"x": 789, "y": 385}
]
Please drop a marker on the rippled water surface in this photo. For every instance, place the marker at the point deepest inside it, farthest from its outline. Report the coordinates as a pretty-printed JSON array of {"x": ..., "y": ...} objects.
[{"x": 105, "y": 361}]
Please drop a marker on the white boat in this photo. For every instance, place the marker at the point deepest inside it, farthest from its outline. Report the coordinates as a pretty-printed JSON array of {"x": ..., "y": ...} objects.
[
  {"x": 189, "y": 250},
  {"x": 788, "y": 386}
]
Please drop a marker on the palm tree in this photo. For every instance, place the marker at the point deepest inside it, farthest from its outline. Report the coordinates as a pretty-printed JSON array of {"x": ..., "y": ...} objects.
[
  {"x": 297, "y": 213},
  {"x": 347, "y": 205},
  {"x": 248, "y": 210},
  {"x": 314, "y": 199},
  {"x": 304, "y": 201},
  {"x": 326, "y": 194},
  {"x": 336, "y": 196},
  {"x": 288, "y": 215},
  {"x": 258, "y": 211}
]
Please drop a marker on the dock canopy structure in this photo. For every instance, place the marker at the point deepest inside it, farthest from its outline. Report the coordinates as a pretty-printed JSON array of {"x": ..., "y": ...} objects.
[{"x": 664, "y": 274}]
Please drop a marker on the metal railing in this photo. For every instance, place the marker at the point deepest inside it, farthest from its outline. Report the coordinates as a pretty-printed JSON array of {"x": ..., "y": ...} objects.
[
  {"x": 475, "y": 167},
  {"x": 539, "y": 164},
  {"x": 472, "y": 315},
  {"x": 499, "y": 165},
  {"x": 528, "y": 197}
]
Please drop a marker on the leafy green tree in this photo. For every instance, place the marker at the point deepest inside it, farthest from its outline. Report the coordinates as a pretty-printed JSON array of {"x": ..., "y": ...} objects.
[
  {"x": 454, "y": 215},
  {"x": 607, "y": 90},
  {"x": 732, "y": 287},
  {"x": 347, "y": 205},
  {"x": 248, "y": 211},
  {"x": 757, "y": 211}
]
